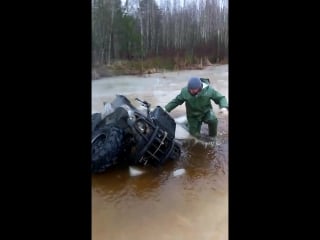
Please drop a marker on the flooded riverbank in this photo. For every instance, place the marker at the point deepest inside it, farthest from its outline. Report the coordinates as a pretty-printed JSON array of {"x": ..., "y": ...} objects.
[{"x": 159, "y": 204}]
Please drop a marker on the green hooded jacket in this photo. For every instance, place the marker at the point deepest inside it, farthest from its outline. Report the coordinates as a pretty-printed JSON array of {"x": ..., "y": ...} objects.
[{"x": 197, "y": 106}]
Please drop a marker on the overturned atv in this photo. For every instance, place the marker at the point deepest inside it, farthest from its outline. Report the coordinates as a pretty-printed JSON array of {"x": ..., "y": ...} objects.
[{"x": 124, "y": 135}]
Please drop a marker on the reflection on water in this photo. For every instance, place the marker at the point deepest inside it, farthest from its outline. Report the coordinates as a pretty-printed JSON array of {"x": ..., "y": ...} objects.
[{"x": 159, "y": 205}]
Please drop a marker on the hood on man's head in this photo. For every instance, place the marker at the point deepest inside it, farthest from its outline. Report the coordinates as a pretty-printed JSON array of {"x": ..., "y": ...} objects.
[{"x": 194, "y": 83}]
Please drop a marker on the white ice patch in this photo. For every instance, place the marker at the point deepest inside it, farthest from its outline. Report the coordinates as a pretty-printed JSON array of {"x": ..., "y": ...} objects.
[
  {"x": 181, "y": 129},
  {"x": 182, "y": 133},
  {"x": 178, "y": 172},
  {"x": 180, "y": 120},
  {"x": 134, "y": 171}
]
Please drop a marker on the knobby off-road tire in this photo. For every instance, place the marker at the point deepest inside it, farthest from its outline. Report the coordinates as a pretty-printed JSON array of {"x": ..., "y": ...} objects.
[
  {"x": 106, "y": 145},
  {"x": 95, "y": 119},
  {"x": 176, "y": 152}
]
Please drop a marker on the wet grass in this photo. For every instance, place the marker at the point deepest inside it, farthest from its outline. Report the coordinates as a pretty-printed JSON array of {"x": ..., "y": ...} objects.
[{"x": 149, "y": 66}]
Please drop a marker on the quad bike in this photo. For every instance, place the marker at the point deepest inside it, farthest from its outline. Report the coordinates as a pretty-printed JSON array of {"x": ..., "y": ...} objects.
[{"x": 124, "y": 135}]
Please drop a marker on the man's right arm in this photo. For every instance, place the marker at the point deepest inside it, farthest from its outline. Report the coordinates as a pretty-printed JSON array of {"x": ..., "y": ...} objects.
[{"x": 178, "y": 100}]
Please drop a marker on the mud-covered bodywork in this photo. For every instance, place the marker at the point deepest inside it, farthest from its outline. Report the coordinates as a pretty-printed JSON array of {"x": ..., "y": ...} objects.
[{"x": 124, "y": 135}]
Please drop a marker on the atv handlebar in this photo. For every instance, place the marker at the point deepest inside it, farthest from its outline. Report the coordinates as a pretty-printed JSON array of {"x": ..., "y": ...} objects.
[{"x": 144, "y": 103}]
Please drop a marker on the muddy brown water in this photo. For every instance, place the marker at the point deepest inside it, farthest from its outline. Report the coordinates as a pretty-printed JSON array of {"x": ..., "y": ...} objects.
[{"x": 158, "y": 204}]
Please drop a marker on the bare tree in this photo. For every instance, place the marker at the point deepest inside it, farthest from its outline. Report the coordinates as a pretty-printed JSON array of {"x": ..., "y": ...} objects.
[{"x": 196, "y": 29}]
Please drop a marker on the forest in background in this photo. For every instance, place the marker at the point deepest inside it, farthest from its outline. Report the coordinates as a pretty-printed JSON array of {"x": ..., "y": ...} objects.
[{"x": 139, "y": 36}]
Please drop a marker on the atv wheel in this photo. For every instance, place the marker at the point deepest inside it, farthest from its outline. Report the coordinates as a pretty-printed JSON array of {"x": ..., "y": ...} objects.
[
  {"x": 95, "y": 119},
  {"x": 106, "y": 145},
  {"x": 176, "y": 152}
]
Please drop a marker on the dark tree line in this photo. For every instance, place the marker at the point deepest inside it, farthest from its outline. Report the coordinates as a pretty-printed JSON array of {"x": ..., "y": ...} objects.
[{"x": 148, "y": 28}]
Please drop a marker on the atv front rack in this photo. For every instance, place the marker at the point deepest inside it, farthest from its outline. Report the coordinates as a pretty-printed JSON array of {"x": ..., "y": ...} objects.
[{"x": 155, "y": 143}]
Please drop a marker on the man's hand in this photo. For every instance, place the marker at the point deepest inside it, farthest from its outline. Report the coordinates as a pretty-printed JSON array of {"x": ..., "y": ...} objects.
[{"x": 223, "y": 111}]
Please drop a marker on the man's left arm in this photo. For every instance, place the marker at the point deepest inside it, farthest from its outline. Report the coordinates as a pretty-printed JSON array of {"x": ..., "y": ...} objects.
[{"x": 220, "y": 100}]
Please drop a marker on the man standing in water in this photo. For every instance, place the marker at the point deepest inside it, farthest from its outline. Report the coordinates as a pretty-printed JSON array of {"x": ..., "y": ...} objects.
[{"x": 197, "y": 96}]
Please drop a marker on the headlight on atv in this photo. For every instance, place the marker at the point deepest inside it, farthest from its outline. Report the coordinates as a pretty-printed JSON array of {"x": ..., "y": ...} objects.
[
  {"x": 131, "y": 115},
  {"x": 141, "y": 126}
]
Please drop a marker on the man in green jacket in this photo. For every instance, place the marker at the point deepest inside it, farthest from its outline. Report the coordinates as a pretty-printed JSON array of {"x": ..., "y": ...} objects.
[{"x": 197, "y": 96}]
